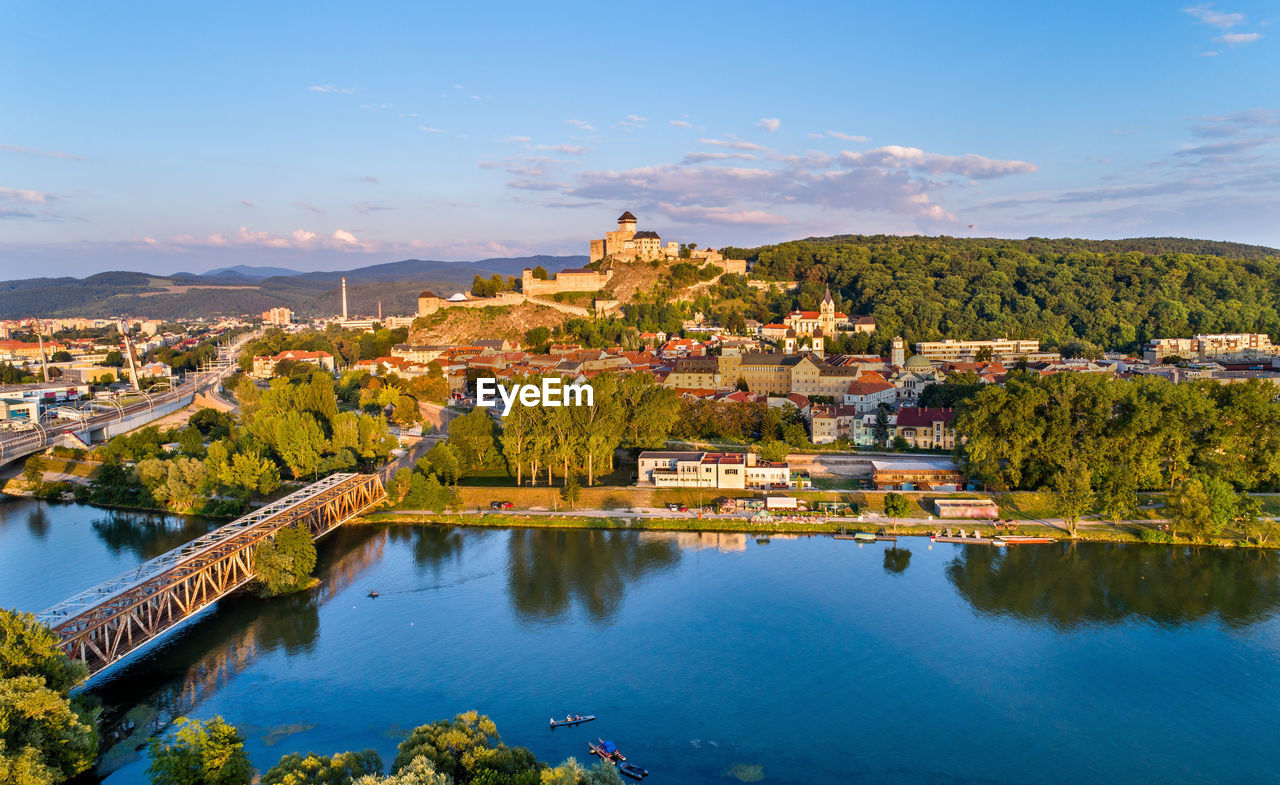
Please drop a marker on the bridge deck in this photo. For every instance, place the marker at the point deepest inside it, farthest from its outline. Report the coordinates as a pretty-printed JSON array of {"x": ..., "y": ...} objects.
[{"x": 109, "y": 621}]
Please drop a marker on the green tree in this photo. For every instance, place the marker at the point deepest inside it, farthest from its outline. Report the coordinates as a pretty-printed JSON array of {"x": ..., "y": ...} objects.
[
  {"x": 201, "y": 753},
  {"x": 419, "y": 771},
  {"x": 114, "y": 359},
  {"x": 469, "y": 750},
  {"x": 896, "y": 506},
  {"x": 313, "y": 769},
  {"x": 571, "y": 490},
  {"x": 284, "y": 564},
  {"x": 774, "y": 451},
  {"x": 1072, "y": 491},
  {"x": 472, "y": 435},
  {"x": 1189, "y": 509},
  {"x": 436, "y": 497},
  {"x": 45, "y": 735},
  {"x": 60, "y": 356}
]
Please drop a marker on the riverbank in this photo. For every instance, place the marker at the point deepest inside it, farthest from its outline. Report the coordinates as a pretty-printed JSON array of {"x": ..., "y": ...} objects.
[{"x": 1087, "y": 531}]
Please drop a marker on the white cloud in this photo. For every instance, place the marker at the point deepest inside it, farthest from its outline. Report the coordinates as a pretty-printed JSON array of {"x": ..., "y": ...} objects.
[
  {"x": 328, "y": 88},
  {"x": 309, "y": 207},
  {"x": 24, "y": 196},
  {"x": 246, "y": 203},
  {"x": 633, "y": 121},
  {"x": 431, "y": 130},
  {"x": 769, "y": 124},
  {"x": 583, "y": 124},
  {"x": 567, "y": 149},
  {"x": 13, "y": 148},
  {"x": 298, "y": 239},
  {"x": 516, "y": 139},
  {"x": 1238, "y": 39},
  {"x": 733, "y": 144},
  {"x": 975, "y": 166},
  {"x": 697, "y": 158},
  {"x": 845, "y": 137},
  {"x": 680, "y": 123},
  {"x": 1208, "y": 15},
  {"x": 720, "y": 215}
]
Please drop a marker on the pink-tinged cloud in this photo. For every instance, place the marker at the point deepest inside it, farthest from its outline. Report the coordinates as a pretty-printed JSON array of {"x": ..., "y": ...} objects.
[
  {"x": 720, "y": 215},
  {"x": 975, "y": 166}
]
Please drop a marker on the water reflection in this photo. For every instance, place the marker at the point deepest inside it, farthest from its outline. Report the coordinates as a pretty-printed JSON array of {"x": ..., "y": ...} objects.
[
  {"x": 433, "y": 547},
  {"x": 1069, "y": 586},
  {"x": 144, "y": 698},
  {"x": 550, "y": 569},
  {"x": 896, "y": 560},
  {"x": 147, "y": 535},
  {"x": 38, "y": 521}
]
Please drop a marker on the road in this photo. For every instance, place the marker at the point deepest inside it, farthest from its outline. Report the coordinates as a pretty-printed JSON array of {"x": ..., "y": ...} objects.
[{"x": 16, "y": 444}]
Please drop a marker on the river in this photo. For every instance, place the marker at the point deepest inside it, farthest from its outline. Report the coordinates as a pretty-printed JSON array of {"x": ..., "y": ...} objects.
[{"x": 713, "y": 658}]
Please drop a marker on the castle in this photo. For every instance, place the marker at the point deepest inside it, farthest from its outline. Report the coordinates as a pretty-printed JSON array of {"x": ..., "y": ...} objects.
[
  {"x": 627, "y": 244},
  {"x": 581, "y": 279}
]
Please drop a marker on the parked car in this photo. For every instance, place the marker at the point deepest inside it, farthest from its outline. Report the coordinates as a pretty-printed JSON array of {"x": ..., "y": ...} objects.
[
  {"x": 674, "y": 507},
  {"x": 501, "y": 505}
]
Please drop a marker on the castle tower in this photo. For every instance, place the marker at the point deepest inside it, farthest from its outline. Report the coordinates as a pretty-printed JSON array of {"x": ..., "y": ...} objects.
[
  {"x": 898, "y": 354},
  {"x": 627, "y": 223},
  {"x": 827, "y": 312}
]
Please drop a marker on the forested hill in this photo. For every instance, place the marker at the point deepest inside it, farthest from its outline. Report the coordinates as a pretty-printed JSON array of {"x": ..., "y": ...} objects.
[{"x": 1112, "y": 293}]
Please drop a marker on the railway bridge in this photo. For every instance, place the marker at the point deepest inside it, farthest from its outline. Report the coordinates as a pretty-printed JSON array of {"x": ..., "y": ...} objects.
[{"x": 107, "y": 623}]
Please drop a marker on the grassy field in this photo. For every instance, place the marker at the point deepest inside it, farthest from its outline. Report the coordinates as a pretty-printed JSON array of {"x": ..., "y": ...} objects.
[{"x": 75, "y": 468}]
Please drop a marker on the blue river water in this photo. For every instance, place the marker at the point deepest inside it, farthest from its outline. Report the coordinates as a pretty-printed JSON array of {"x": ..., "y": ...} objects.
[{"x": 711, "y": 658}]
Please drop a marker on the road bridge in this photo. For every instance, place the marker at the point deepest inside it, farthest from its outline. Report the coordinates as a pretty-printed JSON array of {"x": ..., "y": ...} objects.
[{"x": 107, "y": 623}]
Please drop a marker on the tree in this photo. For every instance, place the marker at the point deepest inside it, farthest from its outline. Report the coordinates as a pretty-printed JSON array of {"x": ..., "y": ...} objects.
[
  {"x": 880, "y": 427},
  {"x": 1072, "y": 490},
  {"x": 60, "y": 356},
  {"x": 284, "y": 564},
  {"x": 436, "y": 497},
  {"x": 1188, "y": 508},
  {"x": 114, "y": 359},
  {"x": 540, "y": 273},
  {"x": 571, "y": 490},
  {"x": 469, "y": 750},
  {"x": 201, "y": 753},
  {"x": 896, "y": 506},
  {"x": 774, "y": 451},
  {"x": 419, "y": 771},
  {"x": 45, "y": 735},
  {"x": 313, "y": 769},
  {"x": 472, "y": 435}
]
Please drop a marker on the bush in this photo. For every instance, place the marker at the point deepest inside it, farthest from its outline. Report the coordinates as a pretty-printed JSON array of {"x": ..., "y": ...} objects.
[{"x": 1155, "y": 535}]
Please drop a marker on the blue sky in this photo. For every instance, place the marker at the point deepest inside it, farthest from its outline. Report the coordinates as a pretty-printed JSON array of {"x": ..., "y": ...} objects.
[{"x": 166, "y": 137}]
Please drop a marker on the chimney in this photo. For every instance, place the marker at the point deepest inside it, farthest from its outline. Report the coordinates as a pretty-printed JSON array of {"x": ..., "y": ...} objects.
[
  {"x": 379, "y": 310},
  {"x": 344, "y": 298}
]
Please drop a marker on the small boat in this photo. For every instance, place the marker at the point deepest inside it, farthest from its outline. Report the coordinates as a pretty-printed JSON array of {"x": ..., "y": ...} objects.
[
  {"x": 886, "y": 538},
  {"x": 609, "y": 751},
  {"x": 572, "y": 719},
  {"x": 373, "y": 595},
  {"x": 864, "y": 537},
  {"x": 633, "y": 771},
  {"x": 596, "y": 749}
]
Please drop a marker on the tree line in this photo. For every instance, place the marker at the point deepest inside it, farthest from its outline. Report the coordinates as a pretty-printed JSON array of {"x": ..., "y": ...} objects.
[
  {"x": 1116, "y": 294},
  {"x": 1097, "y": 441}
]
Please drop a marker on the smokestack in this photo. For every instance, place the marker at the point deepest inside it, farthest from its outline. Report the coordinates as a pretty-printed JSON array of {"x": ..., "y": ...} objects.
[
  {"x": 344, "y": 298},
  {"x": 379, "y": 310}
]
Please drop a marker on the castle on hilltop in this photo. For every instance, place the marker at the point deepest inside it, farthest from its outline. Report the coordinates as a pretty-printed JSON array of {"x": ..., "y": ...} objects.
[{"x": 627, "y": 244}]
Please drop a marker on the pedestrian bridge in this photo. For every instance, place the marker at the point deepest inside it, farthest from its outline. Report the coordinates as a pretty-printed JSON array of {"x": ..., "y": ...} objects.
[{"x": 107, "y": 623}]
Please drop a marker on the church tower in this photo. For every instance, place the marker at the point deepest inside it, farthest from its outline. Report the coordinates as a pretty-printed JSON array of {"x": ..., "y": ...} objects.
[
  {"x": 898, "y": 354},
  {"x": 827, "y": 313},
  {"x": 816, "y": 342}
]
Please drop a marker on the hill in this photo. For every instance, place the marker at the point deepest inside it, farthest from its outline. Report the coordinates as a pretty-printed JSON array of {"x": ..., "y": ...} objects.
[
  {"x": 251, "y": 290},
  {"x": 1109, "y": 293}
]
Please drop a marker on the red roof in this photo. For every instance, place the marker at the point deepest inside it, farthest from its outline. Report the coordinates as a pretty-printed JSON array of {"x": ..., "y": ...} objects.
[
  {"x": 915, "y": 417},
  {"x": 866, "y": 386}
]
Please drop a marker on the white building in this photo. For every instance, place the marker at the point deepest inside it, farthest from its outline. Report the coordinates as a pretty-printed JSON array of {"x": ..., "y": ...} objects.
[{"x": 712, "y": 470}]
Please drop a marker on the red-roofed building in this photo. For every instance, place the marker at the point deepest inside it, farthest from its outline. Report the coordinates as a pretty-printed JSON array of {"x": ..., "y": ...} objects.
[
  {"x": 265, "y": 367},
  {"x": 868, "y": 391},
  {"x": 926, "y": 428}
]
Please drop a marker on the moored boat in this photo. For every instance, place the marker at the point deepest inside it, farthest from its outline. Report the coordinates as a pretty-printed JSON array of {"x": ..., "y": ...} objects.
[
  {"x": 1014, "y": 539},
  {"x": 607, "y": 750},
  {"x": 864, "y": 537},
  {"x": 633, "y": 771}
]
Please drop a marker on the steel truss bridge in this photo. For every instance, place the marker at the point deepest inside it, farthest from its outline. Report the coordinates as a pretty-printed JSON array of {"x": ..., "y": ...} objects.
[{"x": 107, "y": 623}]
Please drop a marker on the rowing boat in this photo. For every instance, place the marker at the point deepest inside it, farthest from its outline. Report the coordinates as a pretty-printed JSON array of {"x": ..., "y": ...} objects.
[
  {"x": 573, "y": 719},
  {"x": 633, "y": 771}
]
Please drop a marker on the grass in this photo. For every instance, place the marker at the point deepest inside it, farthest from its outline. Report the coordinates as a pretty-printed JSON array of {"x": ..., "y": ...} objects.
[{"x": 63, "y": 466}]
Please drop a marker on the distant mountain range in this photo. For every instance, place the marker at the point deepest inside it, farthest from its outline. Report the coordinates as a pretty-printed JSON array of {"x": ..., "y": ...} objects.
[{"x": 249, "y": 290}]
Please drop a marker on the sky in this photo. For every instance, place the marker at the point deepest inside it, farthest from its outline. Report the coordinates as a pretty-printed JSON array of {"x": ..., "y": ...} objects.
[{"x": 167, "y": 137}]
